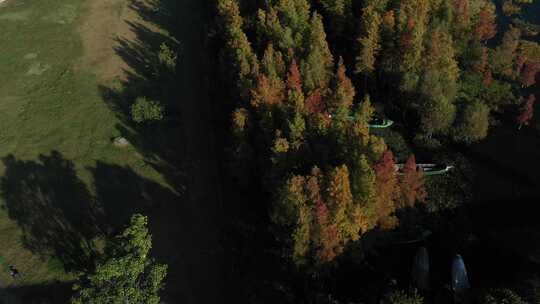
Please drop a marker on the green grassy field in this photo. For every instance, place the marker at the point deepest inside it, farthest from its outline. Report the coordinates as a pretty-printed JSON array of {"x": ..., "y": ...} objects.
[{"x": 55, "y": 141}]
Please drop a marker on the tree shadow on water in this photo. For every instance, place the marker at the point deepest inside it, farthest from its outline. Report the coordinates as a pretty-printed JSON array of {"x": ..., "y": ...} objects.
[{"x": 53, "y": 207}]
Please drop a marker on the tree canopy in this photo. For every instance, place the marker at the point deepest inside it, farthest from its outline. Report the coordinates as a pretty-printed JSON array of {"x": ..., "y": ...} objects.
[
  {"x": 125, "y": 273},
  {"x": 434, "y": 65}
]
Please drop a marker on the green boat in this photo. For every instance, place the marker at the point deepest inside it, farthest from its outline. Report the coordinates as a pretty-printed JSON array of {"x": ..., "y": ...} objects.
[
  {"x": 428, "y": 169},
  {"x": 380, "y": 123}
]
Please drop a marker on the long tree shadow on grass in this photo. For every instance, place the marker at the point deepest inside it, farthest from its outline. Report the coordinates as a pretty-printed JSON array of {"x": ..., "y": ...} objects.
[
  {"x": 53, "y": 207},
  {"x": 146, "y": 76},
  {"x": 158, "y": 141},
  {"x": 120, "y": 193},
  {"x": 60, "y": 217},
  {"x": 49, "y": 293}
]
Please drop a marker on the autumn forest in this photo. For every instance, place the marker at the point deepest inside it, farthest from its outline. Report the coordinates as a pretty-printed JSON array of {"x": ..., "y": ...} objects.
[{"x": 336, "y": 105}]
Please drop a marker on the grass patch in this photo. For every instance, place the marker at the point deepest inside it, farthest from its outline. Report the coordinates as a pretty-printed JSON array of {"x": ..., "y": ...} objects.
[{"x": 55, "y": 141}]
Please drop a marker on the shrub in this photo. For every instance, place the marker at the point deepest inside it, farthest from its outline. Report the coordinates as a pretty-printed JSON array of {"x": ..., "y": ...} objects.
[
  {"x": 402, "y": 297},
  {"x": 167, "y": 57},
  {"x": 501, "y": 296},
  {"x": 451, "y": 190},
  {"x": 146, "y": 110}
]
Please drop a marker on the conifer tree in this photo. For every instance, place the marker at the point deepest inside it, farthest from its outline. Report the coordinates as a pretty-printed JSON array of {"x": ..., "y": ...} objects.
[
  {"x": 316, "y": 68},
  {"x": 438, "y": 84},
  {"x": 389, "y": 53},
  {"x": 462, "y": 25},
  {"x": 412, "y": 26},
  {"x": 365, "y": 110},
  {"x": 270, "y": 30},
  {"x": 294, "y": 79},
  {"x": 341, "y": 99},
  {"x": 297, "y": 128},
  {"x": 295, "y": 94},
  {"x": 272, "y": 63},
  {"x": 340, "y": 204},
  {"x": 412, "y": 184},
  {"x": 239, "y": 50},
  {"x": 387, "y": 190},
  {"x": 369, "y": 40},
  {"x": 294, "y": 14},
  {"x": 363, "y": 187},
  {"x": 360, "y": 139},
  {"x": 487, "y": 26},
  {"x": 294, "y": 211},
  {"x": 127, "y": 273}
]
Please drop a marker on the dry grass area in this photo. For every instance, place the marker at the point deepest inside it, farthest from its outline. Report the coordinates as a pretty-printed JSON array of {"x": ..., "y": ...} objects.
[{"x": 102, "y": 23}]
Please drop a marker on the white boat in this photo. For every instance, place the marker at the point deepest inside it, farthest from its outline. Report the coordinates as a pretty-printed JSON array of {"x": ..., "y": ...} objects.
[
  {"x": 460, "y": 280},
  {"x": 428, "y": 169}
]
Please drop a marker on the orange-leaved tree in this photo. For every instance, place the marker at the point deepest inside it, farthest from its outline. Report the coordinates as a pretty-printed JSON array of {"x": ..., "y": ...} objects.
[
  {"x": 387, "y": 190},
  {"x": 411, "y": 184}
]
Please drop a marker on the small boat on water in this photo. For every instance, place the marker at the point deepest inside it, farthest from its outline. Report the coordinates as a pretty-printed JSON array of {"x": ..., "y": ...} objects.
[
  {"x": 428, "y": 169},
  {"x": 380, "y": 123},
  {"x": 460, "y": 280}
]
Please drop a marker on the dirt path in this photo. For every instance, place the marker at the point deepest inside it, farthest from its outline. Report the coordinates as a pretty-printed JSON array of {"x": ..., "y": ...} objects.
[{"x": 203, "y": 260}]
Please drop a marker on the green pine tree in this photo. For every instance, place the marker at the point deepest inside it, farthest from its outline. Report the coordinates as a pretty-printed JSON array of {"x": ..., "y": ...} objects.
[{"x": 126, "y": 272}]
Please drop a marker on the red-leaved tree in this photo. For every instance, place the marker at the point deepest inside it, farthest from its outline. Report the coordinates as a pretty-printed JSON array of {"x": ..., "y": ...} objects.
[
  {"x": 268, "y": 92},
  {"x": 528, "y": 73},
  {"x": 527, "y": 112},
  {"x": 314, "y": 102},
  {"x": 462, "y": 12},
  {"x": 412, "y": 184},
  {"x": 488, "y": 77},
  {"x": 387, "y": 190},
  {"x": 294, "y": 80},
  {"x": 487, "y": 26}
]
